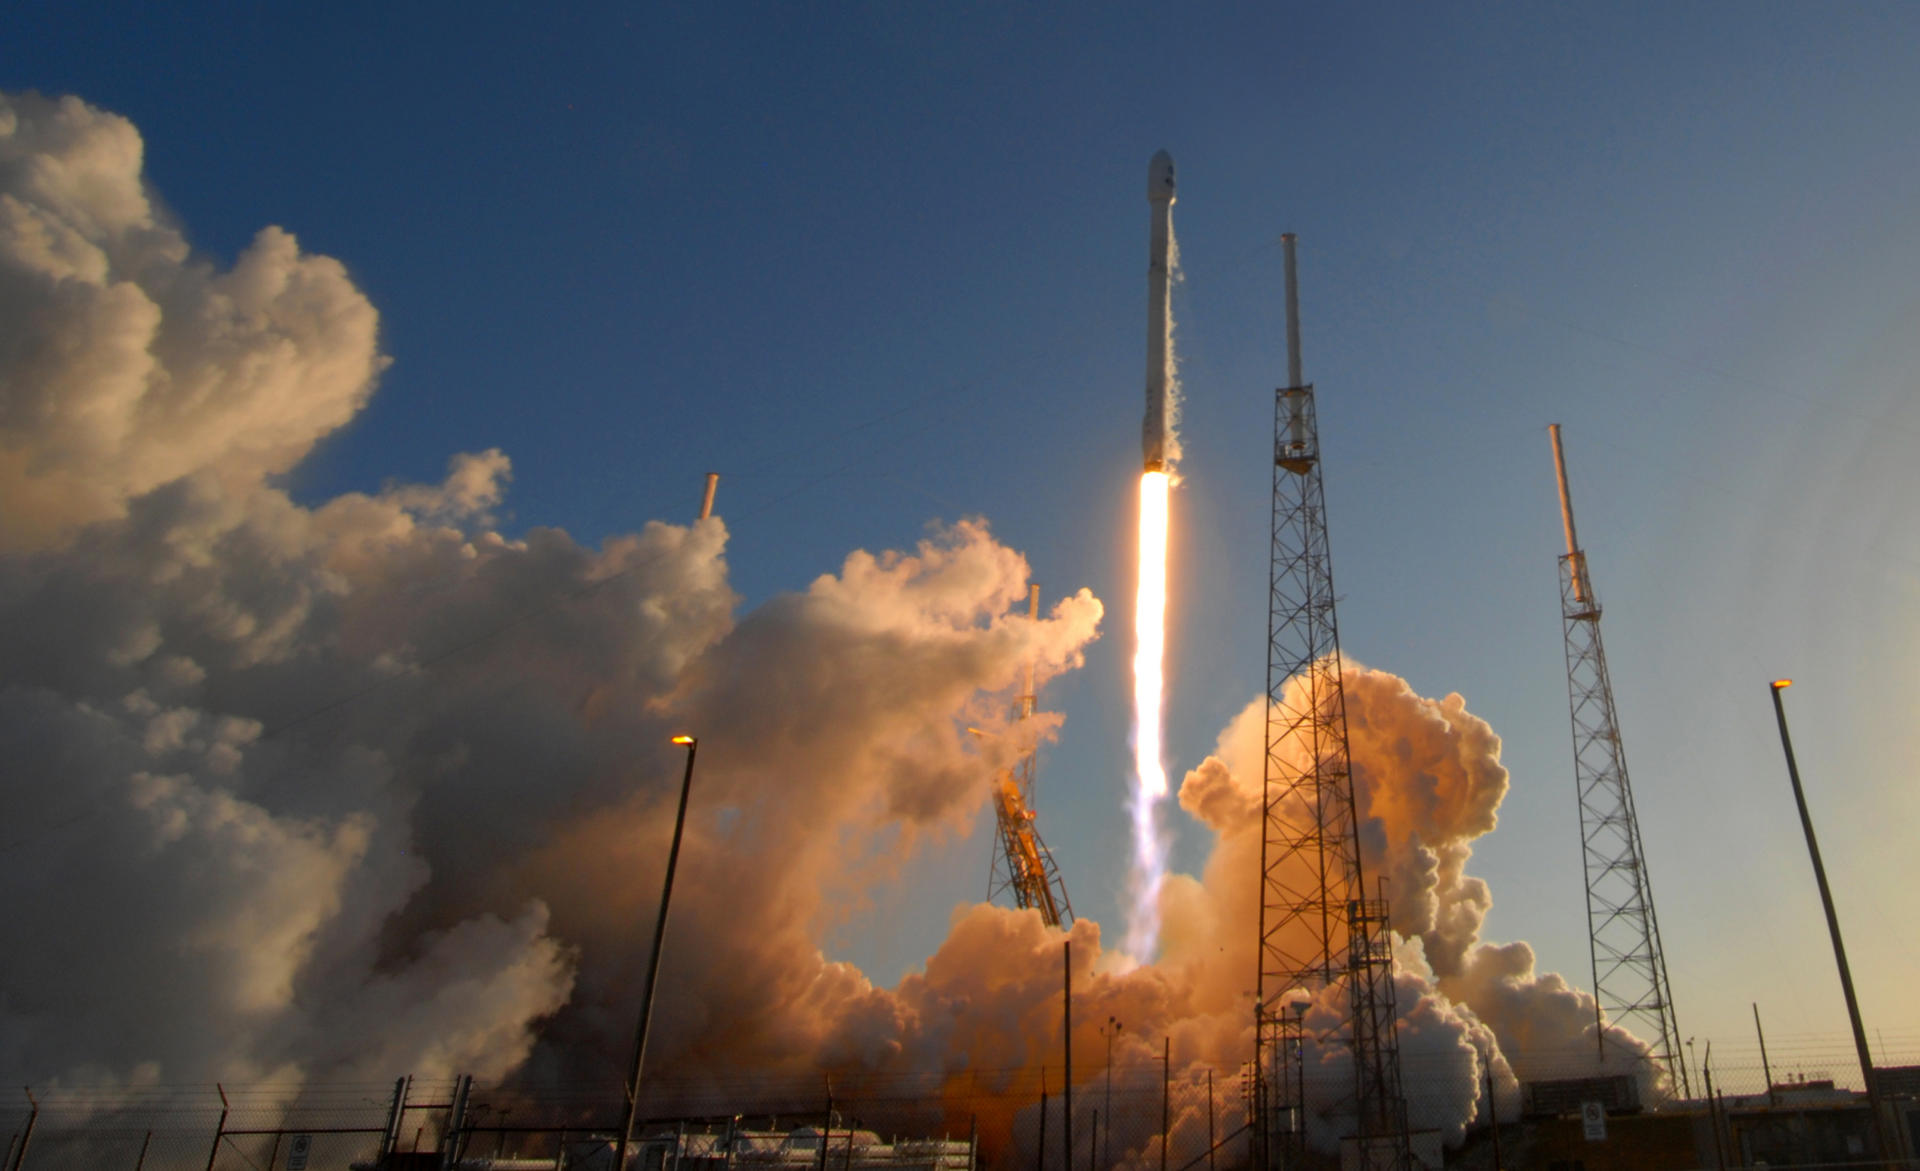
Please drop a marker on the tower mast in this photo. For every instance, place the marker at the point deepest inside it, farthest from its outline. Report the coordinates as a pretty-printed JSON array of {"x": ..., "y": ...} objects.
[
  {"x": 1317, "y": 923},
  {"x": 1623, "y": 937},
  {"x": 1022, "y": 865}
]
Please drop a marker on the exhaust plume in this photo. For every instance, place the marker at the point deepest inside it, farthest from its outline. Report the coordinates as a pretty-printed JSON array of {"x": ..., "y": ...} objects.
[{"x": 1150, "y": 770}]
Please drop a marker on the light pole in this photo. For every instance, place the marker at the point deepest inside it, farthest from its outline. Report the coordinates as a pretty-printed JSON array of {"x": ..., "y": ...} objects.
[
  {"x": 653, "y": 960},
  {"x": 1833, "y": 920},
  {"x": 1106, "y": 1146}
]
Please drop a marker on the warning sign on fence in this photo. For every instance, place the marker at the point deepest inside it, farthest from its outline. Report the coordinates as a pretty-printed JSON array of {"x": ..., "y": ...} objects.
[
  {"x": 1593, "y": 1120},
  {"x": 297, "y": 1153}
]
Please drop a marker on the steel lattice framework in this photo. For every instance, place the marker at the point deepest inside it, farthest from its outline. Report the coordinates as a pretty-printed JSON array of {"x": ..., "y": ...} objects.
[
  {"x": 1629, "y": 967},
  {"x": 1021, "y": 864},
  {"x": 1317, "y": 925}
]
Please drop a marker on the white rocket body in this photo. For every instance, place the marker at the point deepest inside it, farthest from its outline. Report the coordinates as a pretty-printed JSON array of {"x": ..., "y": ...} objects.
[{"x": 1153, "y": 431}]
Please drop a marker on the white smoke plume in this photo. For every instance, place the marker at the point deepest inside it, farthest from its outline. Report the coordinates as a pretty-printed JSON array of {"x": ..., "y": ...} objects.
[
  {"x": 366, "y": 788},
  {"x": 128, "y": 362}
]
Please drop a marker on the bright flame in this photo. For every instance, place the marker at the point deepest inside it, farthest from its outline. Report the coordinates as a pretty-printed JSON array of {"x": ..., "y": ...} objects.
[{"x": 1150, "y": 771}]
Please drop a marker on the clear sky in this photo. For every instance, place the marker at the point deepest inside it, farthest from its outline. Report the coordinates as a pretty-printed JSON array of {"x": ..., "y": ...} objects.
[{"x": 884, "y": 264}]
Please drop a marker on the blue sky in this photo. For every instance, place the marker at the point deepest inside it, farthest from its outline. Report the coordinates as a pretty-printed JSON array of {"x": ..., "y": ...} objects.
[{"x": 883, "y": 264}]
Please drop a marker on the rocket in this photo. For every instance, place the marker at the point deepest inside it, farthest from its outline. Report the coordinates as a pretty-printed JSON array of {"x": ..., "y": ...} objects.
[{"x": 1154, "y": 430}]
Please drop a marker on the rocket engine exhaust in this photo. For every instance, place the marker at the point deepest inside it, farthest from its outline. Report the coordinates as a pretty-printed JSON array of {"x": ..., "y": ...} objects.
[{"x": 1158, "y": 451}]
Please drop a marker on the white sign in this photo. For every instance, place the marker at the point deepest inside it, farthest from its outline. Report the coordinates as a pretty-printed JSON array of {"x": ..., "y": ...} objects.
[
  {"x": 1593, "y": 1120},
  {"x": 297, "y": 1153}
]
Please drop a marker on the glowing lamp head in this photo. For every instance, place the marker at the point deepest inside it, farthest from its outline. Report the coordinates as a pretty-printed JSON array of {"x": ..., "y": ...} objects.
[
  {"x": 1778, "y": 684},
  {"x": 683, "y": 739}
]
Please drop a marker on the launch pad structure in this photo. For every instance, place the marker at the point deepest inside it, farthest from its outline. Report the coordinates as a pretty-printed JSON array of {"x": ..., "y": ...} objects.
[
  {"x": 1629, "y": 967},
  {"x": 1318, "y": 924},
  {"x": 1021, "y": 865}
]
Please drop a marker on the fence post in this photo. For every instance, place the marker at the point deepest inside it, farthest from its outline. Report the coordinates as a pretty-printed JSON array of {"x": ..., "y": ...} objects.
[
  {"x": 826, "y": 1129},
  {"x": 456, "y": 1122},
  {"x": 1211, "y": 1144},
  {"x": 1713, "y": 1112},
  {"x": 144, "y": 1144},
  {"x": 1493, "y": 1117},
  {"x": 1166, "y": 1085},
  {"x": 1040, "y": 1156},
  {"x": 390, "y": 1137},
  {"x": 219, "y": 1131},
  {"x": 26, "y": 1136}
]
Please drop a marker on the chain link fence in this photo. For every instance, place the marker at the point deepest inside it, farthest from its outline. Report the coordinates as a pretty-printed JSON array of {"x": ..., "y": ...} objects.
[{"x": 1799, "y": 1108}]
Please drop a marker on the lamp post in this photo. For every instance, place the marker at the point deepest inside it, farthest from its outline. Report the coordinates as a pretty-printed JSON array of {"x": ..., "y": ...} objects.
[
  {"x": 653, "y": 960},
  {"x": 1833, "y": 920},
  {"x": 1106, "y": 1146}
]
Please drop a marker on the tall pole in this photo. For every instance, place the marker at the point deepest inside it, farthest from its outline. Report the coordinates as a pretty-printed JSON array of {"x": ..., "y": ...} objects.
[
  {"x": 1066, "y": 1092},
  {"x": 653, "y": 959},
  {"x": 1106, "y": 1146},
  {"x": 1833, "y": 919}
]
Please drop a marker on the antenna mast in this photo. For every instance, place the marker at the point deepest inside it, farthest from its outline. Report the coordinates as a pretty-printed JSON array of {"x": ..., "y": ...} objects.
[
  {"x": 1629, "y": 967},
  {"x": 1317, "y": 925}
]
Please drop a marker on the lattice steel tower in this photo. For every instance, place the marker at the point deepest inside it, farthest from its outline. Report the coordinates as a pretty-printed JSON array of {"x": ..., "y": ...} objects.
[
  {"x": 1021, "y": 864},
  {"x": 1629, "y": 967},
  {"x": 1317, "y": 925}
]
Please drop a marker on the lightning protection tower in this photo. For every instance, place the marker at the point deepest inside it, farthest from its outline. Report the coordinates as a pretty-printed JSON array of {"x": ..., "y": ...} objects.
[
  {"x": 1317, "y": 924},
  {"x": 1629, "y": 968},
  {"x": 1022, "y": 865}
]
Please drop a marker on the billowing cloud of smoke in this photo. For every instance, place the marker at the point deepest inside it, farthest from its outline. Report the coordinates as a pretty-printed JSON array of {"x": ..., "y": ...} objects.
[
  {"x": 1427, "y": 780},
  {"x": 369, "y": 787},
  {"x": 128, "y": 362}
]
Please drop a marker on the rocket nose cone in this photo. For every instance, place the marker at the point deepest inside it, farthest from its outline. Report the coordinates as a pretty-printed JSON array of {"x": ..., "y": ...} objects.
[{"x": 1160, "y": 178}]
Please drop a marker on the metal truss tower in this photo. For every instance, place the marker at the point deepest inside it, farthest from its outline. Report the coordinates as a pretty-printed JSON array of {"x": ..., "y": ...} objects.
[
  {"x": 1629, "y": 968},
  {"x": 1022, "y": 865},
  {"x": 1317, "y": 925}
]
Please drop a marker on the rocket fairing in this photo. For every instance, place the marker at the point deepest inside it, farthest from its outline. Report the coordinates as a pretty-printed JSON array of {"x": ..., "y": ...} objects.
[{"x": 1153, "y": 431}]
